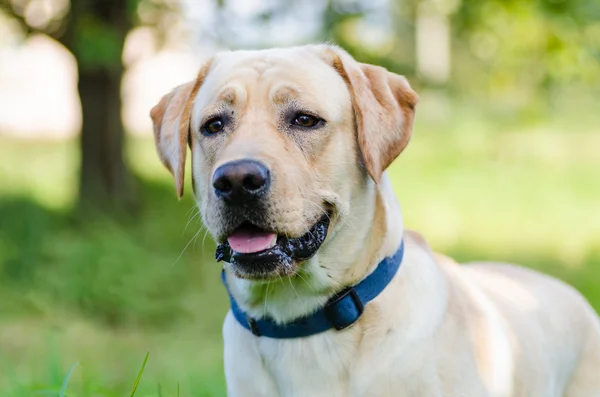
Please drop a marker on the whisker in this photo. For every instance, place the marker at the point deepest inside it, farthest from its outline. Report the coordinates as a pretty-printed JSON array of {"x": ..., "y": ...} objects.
[
  {"x": 266, "y": 298},
  {"x": 294, "y": 289},
  {"x": 347, "y": 219},
  {"x": 191, "y": 217},
  {"x": 186, "y": 246},
  {"x": 190, "y": 210},
  {"x": 196, "y": 239},
  {"x": 306, "y": 282},
  {"x": 204, "y": 239}
]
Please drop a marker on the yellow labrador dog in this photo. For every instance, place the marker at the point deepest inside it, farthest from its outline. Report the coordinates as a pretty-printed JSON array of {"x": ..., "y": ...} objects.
[{"x": 330, "y": 295}]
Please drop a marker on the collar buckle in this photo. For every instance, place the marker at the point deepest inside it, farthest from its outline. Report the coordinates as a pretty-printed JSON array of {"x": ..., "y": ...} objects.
[
  {"x": 253, "y": 326},
  {"x": 344, "y": 309}
]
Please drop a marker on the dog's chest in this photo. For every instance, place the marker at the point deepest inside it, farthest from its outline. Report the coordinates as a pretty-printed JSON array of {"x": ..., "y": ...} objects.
[
  {"x": 317, "y": 366},
  {"x": 339, "y": 365}
]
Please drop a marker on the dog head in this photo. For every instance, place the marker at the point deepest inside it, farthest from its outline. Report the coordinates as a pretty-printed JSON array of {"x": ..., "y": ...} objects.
[{"x": 283, "y": 144}]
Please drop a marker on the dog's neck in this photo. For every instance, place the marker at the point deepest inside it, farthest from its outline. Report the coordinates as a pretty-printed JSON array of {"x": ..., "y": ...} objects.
[{"x": 352, "y": 252}]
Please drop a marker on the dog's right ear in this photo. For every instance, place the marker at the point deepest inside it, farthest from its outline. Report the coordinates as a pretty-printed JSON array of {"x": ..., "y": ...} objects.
[
  {"x": 171, "y": 120},
  {"x": 171, "y": 128}
]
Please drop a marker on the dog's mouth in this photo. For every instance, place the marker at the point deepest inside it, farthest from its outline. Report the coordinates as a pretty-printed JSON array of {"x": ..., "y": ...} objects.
[{"x": 256, "y": 253}]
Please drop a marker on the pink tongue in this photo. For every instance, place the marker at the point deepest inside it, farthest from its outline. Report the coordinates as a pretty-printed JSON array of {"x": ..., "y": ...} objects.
[{"x": 247, "y": 242}]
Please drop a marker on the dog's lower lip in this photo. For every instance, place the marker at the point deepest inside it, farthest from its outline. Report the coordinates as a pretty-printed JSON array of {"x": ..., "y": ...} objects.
[
  {"x": 271, "y": 246},
  {"x": 278, "y": 259},
  {"x": 250, "y": 239}
]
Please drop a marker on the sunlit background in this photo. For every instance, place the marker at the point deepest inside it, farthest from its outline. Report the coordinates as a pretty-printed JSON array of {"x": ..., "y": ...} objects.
[{"x": 99, "y": 262}]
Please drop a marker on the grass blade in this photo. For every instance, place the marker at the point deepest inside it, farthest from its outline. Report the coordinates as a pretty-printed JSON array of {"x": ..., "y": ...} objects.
[
  {"x": 139, "y": 377},
  {"x": 177, "y": 389},
  {"x": 63, "y": 389}
]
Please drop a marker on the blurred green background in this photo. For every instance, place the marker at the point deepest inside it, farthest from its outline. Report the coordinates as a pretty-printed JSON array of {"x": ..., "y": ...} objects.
[{"x": 99, "y": 262}]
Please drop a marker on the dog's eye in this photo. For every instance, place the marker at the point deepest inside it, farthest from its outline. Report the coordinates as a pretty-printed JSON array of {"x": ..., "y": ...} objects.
[
  {"x": 212, "y": 126},
  {"x": 306, "y": 120}
]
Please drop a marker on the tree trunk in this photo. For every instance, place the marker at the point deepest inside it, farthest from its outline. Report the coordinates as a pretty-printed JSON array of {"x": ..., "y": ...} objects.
[
  {"x": 105, "y": 182},
  {"x": 96, "y": 33}
]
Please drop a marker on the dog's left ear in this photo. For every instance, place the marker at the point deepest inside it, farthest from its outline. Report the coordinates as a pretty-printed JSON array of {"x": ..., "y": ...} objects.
[{"x": 384, "y": 107}]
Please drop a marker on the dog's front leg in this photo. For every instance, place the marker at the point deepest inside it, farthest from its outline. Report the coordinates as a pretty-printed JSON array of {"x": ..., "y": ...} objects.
[{"x": 244, "y": 370}]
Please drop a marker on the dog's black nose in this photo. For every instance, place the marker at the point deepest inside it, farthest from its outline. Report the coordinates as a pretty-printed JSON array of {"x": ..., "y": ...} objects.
[{"x": 241, "y": 181}]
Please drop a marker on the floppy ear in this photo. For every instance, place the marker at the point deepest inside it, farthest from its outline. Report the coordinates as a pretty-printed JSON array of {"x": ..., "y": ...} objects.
[
  {"x": 384, "y": 109},
  {"x": 171, "y": 119}
]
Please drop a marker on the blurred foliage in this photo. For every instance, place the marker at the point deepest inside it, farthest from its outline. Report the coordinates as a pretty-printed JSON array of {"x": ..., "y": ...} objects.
[
  {"x": 81, "y": 26},
  {"x": 341, "y": 22},
  {"x": 520, "y": 55},
  {"x": 109, "y": 270},
  {"x": 96, "y": 44},
  {"x": 523, "y": 55},
  {"x": 95, "y": 31},
  {"x": 520, "y": 49}
]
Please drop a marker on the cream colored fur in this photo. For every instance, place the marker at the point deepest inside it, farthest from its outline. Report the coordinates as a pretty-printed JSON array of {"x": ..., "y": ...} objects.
[{"x": 439, "y": 329}]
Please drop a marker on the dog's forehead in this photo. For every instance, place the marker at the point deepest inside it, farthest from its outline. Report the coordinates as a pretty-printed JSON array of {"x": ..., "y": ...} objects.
[{"x": 271, "y": 74}]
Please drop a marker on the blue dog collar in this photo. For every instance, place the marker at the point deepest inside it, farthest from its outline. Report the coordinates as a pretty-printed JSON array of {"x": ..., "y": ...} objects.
[{"x": 341, "y": 311}]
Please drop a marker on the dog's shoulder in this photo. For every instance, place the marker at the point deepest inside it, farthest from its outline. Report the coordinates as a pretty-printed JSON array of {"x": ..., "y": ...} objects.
[
  {"x": 412, "y": 236},
  {"x": 417, "y": 238}
]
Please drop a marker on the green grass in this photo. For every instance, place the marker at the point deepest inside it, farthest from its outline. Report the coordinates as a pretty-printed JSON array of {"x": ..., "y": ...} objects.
[{"x": 104, "y": 292}]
